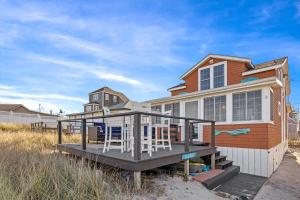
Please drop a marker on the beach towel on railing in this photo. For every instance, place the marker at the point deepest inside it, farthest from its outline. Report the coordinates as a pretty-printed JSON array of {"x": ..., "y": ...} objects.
[{"x": 242, "y": 131}]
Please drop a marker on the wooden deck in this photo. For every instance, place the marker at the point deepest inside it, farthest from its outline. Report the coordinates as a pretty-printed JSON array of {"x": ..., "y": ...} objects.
[{"x": 125, "y": 161}]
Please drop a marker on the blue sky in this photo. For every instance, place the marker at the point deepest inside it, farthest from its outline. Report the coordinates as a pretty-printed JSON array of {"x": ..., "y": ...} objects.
[{"x": 56, "y": 52}]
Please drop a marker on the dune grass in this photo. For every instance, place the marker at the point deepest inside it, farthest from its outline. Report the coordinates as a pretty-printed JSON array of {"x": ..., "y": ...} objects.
[{"x": 30, "y": 169}]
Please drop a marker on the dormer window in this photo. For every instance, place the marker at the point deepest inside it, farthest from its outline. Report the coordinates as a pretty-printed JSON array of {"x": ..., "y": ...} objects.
[
  {"x": 218, "y": 76},
  {"x": 213, "y": 76},
  {"x": 205, "y": 79}
]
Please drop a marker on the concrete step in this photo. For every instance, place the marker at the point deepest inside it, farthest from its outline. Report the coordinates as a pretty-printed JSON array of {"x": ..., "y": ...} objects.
[
  {"x": 224, "y": 164},
  {"x": 228, "y": 173}
]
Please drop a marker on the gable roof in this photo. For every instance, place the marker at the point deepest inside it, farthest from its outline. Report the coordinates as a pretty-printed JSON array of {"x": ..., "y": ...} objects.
[
  {"x": 11, "y": 107},
  {"x": 270, "y": 63},
  {"x": 236, "y": 58},
  {"x": 176, "y": 87},
  {"x": 16, "y": 107},
  {"x": 111, "y": 91}
]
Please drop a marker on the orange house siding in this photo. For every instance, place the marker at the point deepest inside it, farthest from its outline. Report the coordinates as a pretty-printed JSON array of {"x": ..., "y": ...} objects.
[
  {"x": 234, "y": 75},
  {"x": 257, "y": 138}
]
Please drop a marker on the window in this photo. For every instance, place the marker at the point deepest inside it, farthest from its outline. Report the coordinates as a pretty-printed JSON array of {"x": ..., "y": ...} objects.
[
  {"x": 239, "y": 107},
  {"x": 191, "y": 111},
  {"x": 96, "y": 108},
  {"x": 175, "y": 108},
  {"x": 95, "y": 97},
  {"x": 115, "y": 99},
  {"x": 205, "y": 79},
  {"x": 218, "y": 76},
  {"x": 106, "y": 97},
  {"x": 215, "y": 108},
  {"x": 271, "y": 106},
  {"x": 88, "y": 108},
  {"x": 156, "y": 109},
  {"x": 246, "y": 106}
]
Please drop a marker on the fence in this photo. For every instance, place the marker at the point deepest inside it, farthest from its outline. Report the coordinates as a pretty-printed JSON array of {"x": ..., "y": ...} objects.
[
  {"x": 24, "y": 118},
  {"x": 293, "y": 128}
]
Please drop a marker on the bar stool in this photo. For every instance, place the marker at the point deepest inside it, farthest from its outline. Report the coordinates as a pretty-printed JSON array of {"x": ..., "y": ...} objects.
[
  {"x": 113, "y": 126},
  {"x": 146, "y": 135},
  {"x": 161, "y": 142}
]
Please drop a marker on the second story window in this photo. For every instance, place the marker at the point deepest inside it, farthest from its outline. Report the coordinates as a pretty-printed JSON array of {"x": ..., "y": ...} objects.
[
  {"x": 218, "y": 76},
  {"x": 205, "y": 79},
  {"x": 106, "y": 97},
  {"x": 115, "y": 99},
  {"x": 95, "y": 97}
]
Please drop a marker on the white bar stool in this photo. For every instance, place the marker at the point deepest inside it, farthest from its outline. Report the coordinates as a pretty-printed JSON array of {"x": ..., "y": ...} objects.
[{"x": 161, "y": 142}]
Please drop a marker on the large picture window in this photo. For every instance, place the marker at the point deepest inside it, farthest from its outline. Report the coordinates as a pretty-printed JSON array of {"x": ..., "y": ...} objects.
[
  {"x": 205, "y": 79},
  {"x": 175, "y": 108},
  {"x": 215, "y": 108},
  {"x": 218, "y": 76},
  {"x": 246, "y": 106}
]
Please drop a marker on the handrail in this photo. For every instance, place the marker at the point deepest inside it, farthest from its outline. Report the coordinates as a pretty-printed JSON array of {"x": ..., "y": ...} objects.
[{"x": 142, "y": 113}]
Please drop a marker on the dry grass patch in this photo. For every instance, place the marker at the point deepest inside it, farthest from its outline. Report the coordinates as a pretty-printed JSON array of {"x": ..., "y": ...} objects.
[{"x": 29, "y": 171}]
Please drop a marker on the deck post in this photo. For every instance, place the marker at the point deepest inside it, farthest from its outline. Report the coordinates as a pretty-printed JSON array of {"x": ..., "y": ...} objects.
[
  {"x": 186, "y": 135},
  {"x": 213, "y": 140},
  {"x": 137, "y": 180},
  {"x": 83, "y": 133},
  {"x": 137, "y": 136},
  {"x": 187, "y": 148},
  {"x": 59, "y": 132},
  {"x": 213, "y": 136}
]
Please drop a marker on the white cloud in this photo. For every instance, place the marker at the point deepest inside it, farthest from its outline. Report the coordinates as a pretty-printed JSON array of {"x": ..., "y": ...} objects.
[
  {"x": 54, "y": 102},
  {"x": 94, "y": 70},
  {"x": 10, "y": 91}
]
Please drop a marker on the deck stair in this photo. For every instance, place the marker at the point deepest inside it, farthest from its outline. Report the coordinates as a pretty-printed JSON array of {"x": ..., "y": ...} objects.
[{"x": 229, "y": 171}]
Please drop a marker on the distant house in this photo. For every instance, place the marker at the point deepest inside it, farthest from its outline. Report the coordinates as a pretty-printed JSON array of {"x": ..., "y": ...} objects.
[
  {"x": 20, "y": 108},
  {"x": 104, "y": 96},
  {"x": 116, "y": 101},
  {"x": 19, "y": 114},
  {"x": 248, "y": 103}
]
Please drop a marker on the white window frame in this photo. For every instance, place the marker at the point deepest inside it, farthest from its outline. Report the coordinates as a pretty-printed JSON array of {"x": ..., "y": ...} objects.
[
  {"x": 214, "y": 98},
  {"x": 246, "y": 99},
  {"x": 211, "y": 68},
  {"x": 199, "y": 125}
]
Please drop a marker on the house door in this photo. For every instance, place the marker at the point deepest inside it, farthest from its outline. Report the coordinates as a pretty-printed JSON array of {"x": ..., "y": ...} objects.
[{"x": 191, "y": 110}]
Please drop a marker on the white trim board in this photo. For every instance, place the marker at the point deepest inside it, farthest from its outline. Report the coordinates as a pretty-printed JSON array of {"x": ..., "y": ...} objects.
[
  {"x": 254, "y": 71},
  {"x": 177, "y": 88},
  {"x": 217, "y": 91}
]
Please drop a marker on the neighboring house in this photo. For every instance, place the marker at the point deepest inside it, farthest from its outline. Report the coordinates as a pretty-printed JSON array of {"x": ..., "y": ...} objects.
[
  {"x": 19, "y": 108},
  {"x": 241, "y": 97},
  {"x": 18, "y": 113},
  {"x": 104, "y": 97},
  {"x": 116, "y": 101}
]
